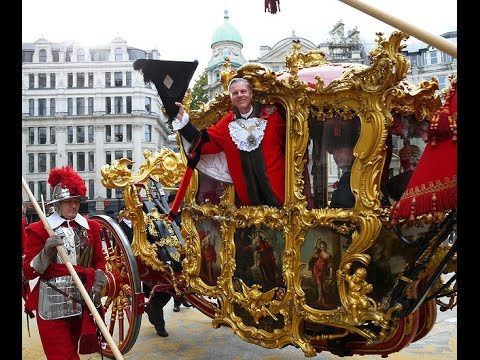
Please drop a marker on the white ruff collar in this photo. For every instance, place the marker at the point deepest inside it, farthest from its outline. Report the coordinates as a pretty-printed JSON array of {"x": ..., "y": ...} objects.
[
  {"x": 247, "y": 134},
  {"x": 56, "y": 220}
]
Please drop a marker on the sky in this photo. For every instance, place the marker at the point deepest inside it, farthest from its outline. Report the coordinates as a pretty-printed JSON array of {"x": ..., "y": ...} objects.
[{"x": 183, "y": 29}]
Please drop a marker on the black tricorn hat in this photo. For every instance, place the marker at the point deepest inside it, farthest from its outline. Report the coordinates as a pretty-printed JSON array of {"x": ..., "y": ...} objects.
[
  {"x": 171, "y": 78},
  {"x": 341, "y": 133},
  {"x": 84, "y": 208}
]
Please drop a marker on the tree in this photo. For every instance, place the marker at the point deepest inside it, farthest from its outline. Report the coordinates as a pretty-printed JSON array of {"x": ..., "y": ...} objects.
[{"x": 199, "y": 93}]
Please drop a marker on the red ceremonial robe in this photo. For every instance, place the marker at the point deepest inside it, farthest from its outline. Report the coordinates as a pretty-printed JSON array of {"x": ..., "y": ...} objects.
[{"x": 273, "y": 150}]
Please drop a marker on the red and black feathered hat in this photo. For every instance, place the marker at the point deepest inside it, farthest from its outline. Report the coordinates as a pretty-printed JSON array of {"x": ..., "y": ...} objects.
[{"x": 66, "y": 184}]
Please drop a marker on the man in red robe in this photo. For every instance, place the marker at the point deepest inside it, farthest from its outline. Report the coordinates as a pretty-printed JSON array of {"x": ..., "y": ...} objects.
[{"x": 246, "y": 147}]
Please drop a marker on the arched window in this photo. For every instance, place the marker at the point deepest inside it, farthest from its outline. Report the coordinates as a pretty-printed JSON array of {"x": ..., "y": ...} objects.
[
  {"x": 42, "y": 55},
  {"x": 118, "y": 54},
  {"x": 80, "y": 55}
]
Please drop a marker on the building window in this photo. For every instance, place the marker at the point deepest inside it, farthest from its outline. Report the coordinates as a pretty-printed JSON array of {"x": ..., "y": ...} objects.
[
  {"x": 31, "y": 107},
  {"x": 118, "y": 154},
  {"x": 42, "y": 135},
  {"x": 118, "y": 78},
  {"x": 80, "y": 80},
  {"x": 90, "y": 106},
  {"x": 70, "y": 159},
  {"x": 91, "y": 161},
  {"x": 31, "y": 81},
  {"x": 68, "y": 56},
  {"x": 128, "y": 75},
  {"x": 148, "y": 133},
  {"x": 118, "y": 193},
  {"x": 31, "y": 163},
  {"x": 91, "y": 188},
  {"x": 42, "y": 107},
  {"x": 433, "y": 57},
  {"x": 80, "y": 106},
  {"x": 118, "y": 54},
  {"x": 129, "y": 132},
  {"x": 118, "y": 133},
  {"x": 42, "y": 55},
  {"x": 42, "y": 81},
  {"x": 42, "y": 162},
  {"x": 31, "y": 186},
  {"x": 442, "y": 82},
  {"x": 91, "y": 134},
  {"x": 31, "y": 135},
  {"x": 446, "y": 59},
  {"x": 129, "y": 104},
  {"x": 53, "y": 160},
  {"x": 70, "y": 80},
  {"x": 80, "y": 161},
  {"x": 80, "y": 55},
  {"x": 148, "y": 104},
  {"x": 109, "y": 193},
  {"x": 108, "y": 79},
  {"x": 129, "y": 157},
  {"x": 108, "y": 133},
  {"x": 108, "y": 157},
  {"x": 53, "y": 82},
  {"x": 53, "y": 135},
  {"x": 90, "y": 80},
  {"x": 80, "y": 134},
  {"x": 70, "y": 106},
  {"x": 42, "y": 189},
  {"x": 70, "y": 134},
  {"x": 118, "y": 104},
  {"x": 53, "y": 108},
  {"x": 27, "y": 56},
  {"x": 55, "y": 55},
  {"x": 108, "y": 105}
]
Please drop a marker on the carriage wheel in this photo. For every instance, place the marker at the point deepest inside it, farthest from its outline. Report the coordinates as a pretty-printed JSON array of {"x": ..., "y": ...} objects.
[{"x": 123, "y": 299}]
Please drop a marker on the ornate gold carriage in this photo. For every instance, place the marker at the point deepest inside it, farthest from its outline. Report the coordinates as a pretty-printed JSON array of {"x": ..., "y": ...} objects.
[{"x": 322, "y": 278}]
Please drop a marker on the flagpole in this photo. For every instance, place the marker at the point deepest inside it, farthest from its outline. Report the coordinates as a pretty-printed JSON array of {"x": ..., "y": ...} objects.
[{"x": 435, "y": 40}]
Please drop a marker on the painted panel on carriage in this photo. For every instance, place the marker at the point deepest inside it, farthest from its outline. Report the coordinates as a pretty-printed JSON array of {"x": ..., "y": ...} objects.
[
  {"x": 389, "y": 257},
  {"x": 210, "y": 247},
  {"x": 258, "y": 257},
  {"x": 321, "y": 254}
]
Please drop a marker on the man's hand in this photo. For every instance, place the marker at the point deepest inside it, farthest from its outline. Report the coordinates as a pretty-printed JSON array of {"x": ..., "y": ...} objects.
[
  {"x": 44, "y": 257},
  {"x": 181, "y": 110},
  {"x": 98, "y": 285},
  {"x": 51, "y": 244}
]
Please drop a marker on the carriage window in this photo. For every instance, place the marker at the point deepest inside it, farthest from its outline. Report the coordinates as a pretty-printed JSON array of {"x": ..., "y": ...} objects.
[
  {"x": 406, "y": 142},
  {"x": 329, "y": 162}
]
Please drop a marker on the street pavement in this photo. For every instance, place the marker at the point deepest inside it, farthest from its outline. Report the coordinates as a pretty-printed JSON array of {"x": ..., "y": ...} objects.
[{"x": 192, "y": 337}]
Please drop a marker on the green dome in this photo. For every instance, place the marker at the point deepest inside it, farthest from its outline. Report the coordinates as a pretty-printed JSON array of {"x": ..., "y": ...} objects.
[{"x": 226, "y": 32}]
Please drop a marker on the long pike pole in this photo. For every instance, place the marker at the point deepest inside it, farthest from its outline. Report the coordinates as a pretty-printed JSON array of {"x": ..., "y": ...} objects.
[
  {"x": 437, "y": 41},
  {"x": 74, "y": 274}
]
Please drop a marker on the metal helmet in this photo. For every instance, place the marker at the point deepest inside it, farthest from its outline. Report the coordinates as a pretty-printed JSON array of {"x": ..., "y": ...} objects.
[{"x": 67, "y": 184}]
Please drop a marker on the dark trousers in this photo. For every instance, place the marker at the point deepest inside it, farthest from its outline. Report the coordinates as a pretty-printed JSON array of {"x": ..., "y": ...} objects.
[{"x": 154, "y": 309}]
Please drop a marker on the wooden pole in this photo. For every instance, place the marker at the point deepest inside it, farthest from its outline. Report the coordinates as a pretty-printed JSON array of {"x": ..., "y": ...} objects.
[
  {"x": 435, "y": 40},
  {"x": 76, "y": 278}
]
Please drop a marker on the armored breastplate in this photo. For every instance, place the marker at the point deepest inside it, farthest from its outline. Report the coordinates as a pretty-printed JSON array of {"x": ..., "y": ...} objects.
[
  {"x": 76, "y": 244},
  {"x": 54, "y": 297}
]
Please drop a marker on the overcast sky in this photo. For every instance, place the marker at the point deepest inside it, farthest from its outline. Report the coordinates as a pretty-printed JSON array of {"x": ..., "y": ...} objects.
[{"x": 183, "y": 29}]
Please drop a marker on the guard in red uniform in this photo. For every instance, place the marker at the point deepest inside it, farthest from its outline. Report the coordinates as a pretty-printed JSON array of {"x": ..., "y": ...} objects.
[{"x": 65, "y": 325}]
